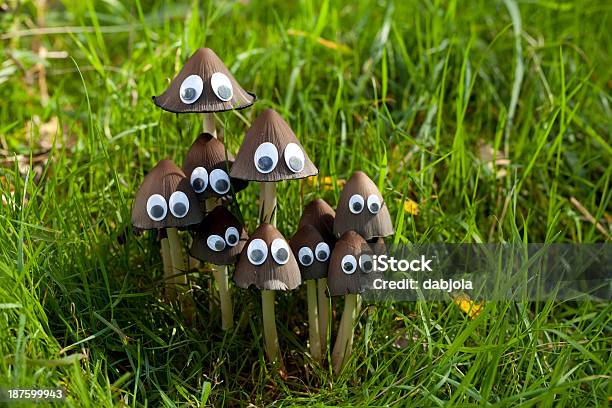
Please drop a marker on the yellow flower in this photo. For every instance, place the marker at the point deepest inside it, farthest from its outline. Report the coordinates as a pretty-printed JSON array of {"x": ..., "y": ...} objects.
[
  {"x": 468, "y": 306},
  {"x": 411, "y": 207},
  {"x": 325, "y": 182}
]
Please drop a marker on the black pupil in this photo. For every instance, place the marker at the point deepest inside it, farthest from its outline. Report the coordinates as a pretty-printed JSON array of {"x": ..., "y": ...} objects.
[
  {"x": 357, "y": 206},
  {"x": 189, "y": 93},
  {"x": 348, "y": 266},
  {"x": 221, "y": 185},
  {"x": 282, "y": 254},
  {"x": 321, "y": 254},
  {"x": 224, "y": 92},
  {"x": 219, "y": 245},
  {"x": 374, "y": 207},
  {"x": 265, "y": 163},
  {"x": 232, "y": 239},
  {"x": 198, "y": 184},
  {"x": 180, "y": 208},
  {"x": 157, "y": 211},
  {"x": 257, "y": 255},
  {"x": 306, "y": 259},
  {"x": 295, "y": 163},
  {"x": 367, "y": 265}
]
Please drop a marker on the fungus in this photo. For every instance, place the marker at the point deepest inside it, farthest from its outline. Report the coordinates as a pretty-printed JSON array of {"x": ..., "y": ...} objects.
[{"x": 362, "y": 209}]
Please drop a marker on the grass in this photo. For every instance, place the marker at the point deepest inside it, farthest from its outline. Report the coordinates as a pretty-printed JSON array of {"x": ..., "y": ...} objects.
[{"x": 419, "y": 94}]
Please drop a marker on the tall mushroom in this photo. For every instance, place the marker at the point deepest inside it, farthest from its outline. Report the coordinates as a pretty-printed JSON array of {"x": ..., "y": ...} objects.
[
  {"x": 321, "y": 215},
  {"x": 207, "y": 166},
  {"x": 312, "y": 254},
  {"x": 268, "y": 263},
  {"x": 349, "y": 261},
  {"x": 361, "y": 208},
  {"x": 269, "y": 153},
  {"x": 165, "y": 201},
  {"x": 205, "y": 85}
]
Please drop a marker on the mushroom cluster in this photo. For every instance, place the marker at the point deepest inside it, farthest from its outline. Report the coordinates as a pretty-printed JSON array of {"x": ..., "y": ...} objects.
[{"x": 329, "y": 251}]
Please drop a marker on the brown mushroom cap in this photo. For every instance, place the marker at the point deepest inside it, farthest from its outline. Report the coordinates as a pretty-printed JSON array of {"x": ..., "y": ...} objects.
[
  {"x": 309, "y": 237},
  {"x": 209, "y": 152},
  {"x": 218, "y": 222},
  {"x": 204, "y": 63},
  {"x": 320, "y": 214},
  {"x": 366, "y": 223},
  {"x": 339, "y": 282},
  {"x": 270, "y": 274},
  {"x": 270, "y": 127},
  {"x": 165, "y": 179}
]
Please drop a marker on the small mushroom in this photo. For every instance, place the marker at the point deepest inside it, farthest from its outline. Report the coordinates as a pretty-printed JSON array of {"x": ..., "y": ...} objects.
[
  {"x": 321, "y": 215},
  {"x": 206, "y": 167},
  {"x": 220, "y": 238},
  {"x": 267, "y": 262},
  {"x": 312, "y": 254},
  {"x": 204, "y": 85},
  {"x": 361, "y": 208},
  {"x": 271, "y": 152}
]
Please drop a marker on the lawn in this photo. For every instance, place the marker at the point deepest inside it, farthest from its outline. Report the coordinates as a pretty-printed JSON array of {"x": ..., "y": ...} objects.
[{"x": 481, "y": 121}]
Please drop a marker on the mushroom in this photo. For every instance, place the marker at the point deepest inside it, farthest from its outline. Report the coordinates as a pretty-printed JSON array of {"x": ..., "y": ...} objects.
[
  {"x": 270, "y": 152},
  {"x": 267, "y": 262},
  {"x": 350, "y": 262},
  {"x": 207, "y": 168},
  {"x": 312, "y": 254},
  {"x": 361, "y": 208},
  {"x": 321, "y": 215},
  {"x": 165, "y": 201}
]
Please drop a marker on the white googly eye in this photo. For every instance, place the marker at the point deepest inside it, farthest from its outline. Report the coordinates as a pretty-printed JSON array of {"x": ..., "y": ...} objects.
[
  {"x": 157, "y": 207},
  {"x": 280, "y": 251},
  {"x": 179, "y": 204},
  {"x": 221, "y": 86},
  {"x": 199, "y": 179},
  {"x": 191, "y": 89},
  {"x": 294, "y": 157},
  {"x": 322, "y": 251},
  {"x": 374, "y": 203},
  {"x": 219, "y": 181},
  {"x": 232, "y": 237},
  {"x": 266, "y": 157},
  {"x": 216, "y": 243},
  {"x": 365, "y": 263},
  {"x": 257, "y": 252},
  {"x": 305, "y": 256},
  {"x": 348, "y": 264},
  {"x": 356, "y": 204}
]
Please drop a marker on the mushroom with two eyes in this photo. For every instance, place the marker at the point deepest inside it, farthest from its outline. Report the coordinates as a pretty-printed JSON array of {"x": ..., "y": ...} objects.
[
  {"x": 349, "y": 266},
  {"x": 312, "y": 254},
  {"x": 269, "y": 153},
  {"x": 165, "y": 201},
  {"x": 267, "y": 263},
  {"x": 361, "y": 208},
  {"x": 321, "y": 215}
]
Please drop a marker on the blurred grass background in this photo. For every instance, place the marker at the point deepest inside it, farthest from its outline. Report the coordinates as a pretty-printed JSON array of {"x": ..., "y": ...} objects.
[{"x": 482, "y": 121}]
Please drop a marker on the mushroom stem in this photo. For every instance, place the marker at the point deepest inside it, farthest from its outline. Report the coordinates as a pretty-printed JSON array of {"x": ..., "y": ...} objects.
[
  {"x": 313, "y": 320},
  {"x": 178, "y": 262},
  {"x": 323, "y": 313},
  {"x": 345, "y": 333},
  {"x": 168, "y": 270},
  {"x": 267, "y": 203},
  {"x": 208, "y": 124}
]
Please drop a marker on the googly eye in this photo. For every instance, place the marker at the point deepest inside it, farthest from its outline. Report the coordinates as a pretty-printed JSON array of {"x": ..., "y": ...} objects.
[
  {"x": 322, "y": 251},
  {"x": 349, "y": 264},
  {"x": 157, "y": 207},
  {"x": 280, "y": 251},
  {"x": 266, "y": 157},
  {"x": 216, "y": 243},
  {"x": 179, "y": 204},
  {"x": 191, "y": 89},
  {"x": 356, "y": 204},
  {"x": 232, "y": 236},
  {"x": 257, "y": 252},
  {"x": 221, "y": 86},
  {"x": 219, "y": 181},
  {"x": 294, "y": 157},
  {"x": 374, "y": 203},
  {"x": 365, "y": 263},
  {"x": 305, "y": 256},
  {"x": 199, "y": 179}
]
